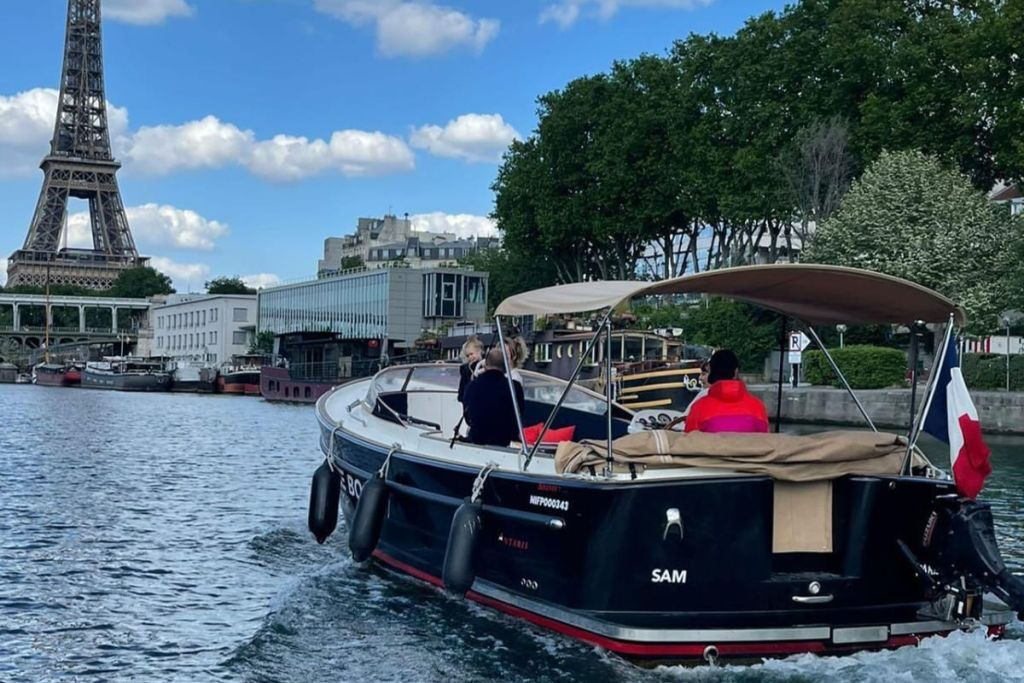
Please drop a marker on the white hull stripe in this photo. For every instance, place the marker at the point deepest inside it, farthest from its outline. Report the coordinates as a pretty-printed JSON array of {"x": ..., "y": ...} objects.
[{"x": 750, "y": 635}]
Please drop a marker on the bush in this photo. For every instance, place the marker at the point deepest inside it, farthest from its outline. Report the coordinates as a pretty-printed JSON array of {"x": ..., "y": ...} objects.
[
  {"x": 865, "y": 367},
  {"x": 988, "y": 371}
]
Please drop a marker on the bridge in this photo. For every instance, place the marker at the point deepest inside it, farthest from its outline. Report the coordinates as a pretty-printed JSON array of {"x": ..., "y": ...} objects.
[{"x": 73, "y": 320}]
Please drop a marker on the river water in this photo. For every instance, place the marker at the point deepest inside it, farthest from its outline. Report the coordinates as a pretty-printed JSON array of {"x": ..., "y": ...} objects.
[{"x": 162, "y": 537}]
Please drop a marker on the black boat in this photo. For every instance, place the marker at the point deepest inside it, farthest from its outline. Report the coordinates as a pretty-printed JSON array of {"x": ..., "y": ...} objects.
[
  {"x": 126, "y": 374},
  {"x": 662, "y": 546}
]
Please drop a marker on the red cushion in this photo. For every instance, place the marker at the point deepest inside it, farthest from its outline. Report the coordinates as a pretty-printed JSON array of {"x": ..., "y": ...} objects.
[{"x": 552, "y": 436}]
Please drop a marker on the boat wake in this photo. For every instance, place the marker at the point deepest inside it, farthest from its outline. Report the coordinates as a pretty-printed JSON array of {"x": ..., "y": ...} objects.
[{"x": 334, "y": 619}]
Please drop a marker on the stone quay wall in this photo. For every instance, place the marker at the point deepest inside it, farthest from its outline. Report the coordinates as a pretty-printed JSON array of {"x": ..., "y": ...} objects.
[{"x": 999, "y": 412}]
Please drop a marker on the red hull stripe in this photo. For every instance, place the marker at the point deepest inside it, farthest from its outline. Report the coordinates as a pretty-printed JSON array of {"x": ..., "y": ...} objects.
[{"x": 658, "y": 649}]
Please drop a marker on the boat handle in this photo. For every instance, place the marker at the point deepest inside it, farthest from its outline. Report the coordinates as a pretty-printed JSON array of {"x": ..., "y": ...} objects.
[{"x": 812, "y": 599}]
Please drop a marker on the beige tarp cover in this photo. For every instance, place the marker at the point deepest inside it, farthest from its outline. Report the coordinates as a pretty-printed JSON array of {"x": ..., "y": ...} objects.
[
  {"x": 809, "y": 292},
  {"x": 803, "y": 468},
  {"x": 784, "y": 457}
]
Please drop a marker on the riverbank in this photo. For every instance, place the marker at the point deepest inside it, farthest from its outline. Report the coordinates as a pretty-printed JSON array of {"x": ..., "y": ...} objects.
[{"x": 999, "y": 412}]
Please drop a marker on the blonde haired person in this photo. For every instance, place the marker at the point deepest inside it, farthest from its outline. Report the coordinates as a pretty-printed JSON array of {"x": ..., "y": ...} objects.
[
  {"x": 517, "y": 355},
  {"x": 472, "y": 354}
]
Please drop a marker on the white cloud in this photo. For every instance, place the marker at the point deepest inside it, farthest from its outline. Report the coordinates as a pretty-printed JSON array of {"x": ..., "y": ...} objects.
[
  {"x": 464, "y": 225},
  {"x": 212, "y": 143},
  {"x": 474, "y": 137},
  {"x": 350, "y": 152},
  {"x": 261, "y": 280},
  {"x": 3, "y": 271},
  {"x": 566, "y": 12},
  {"x": 146, "y": 11},
  {"x": 186, "y": 276},
  {"x": 26, "y": 127},
  {"x": 156, "y": 225},
  {"x": 413, "y": 29},
  {"x": 206, "y": 143}
]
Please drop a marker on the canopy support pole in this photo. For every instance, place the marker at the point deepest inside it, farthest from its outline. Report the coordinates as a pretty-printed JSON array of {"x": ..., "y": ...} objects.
[
  {"x": 782, "y": 366},
  {"x": 511, "y": 389},
  {"x": 933, "y": 379},
  {"x": 842, "y": 378},
  {"x": 608, "y": 388},
  {"x": 565, "y": 392},
  {"x": 914, "y": 347}
]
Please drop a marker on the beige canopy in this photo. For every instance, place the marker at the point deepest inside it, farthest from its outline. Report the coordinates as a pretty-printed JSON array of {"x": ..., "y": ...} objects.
[{"x": 809, "y": 292}]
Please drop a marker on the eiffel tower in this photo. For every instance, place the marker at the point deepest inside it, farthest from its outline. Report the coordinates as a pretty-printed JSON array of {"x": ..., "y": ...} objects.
[{"x": 80, "y": 165}]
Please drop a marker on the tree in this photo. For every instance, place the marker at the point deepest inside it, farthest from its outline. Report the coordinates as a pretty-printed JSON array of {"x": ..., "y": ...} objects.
[
  {"x": 263, "y": 342},
  {"x": 228, "y": 285},
  {"x": 750, "y": 332},
  {"x": 141, "y": 282},
  {"x": 817, "y": 170},
  {"x": 912, "y": 217},
  {"x": 354, "y": 261}
]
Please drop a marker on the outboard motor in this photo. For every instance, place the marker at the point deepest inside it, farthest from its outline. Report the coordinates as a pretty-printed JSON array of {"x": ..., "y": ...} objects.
[
  {"x": 324, "y": 493},
  {"x": 960, "y": 546},
  {"x": 459, "y": 569},
  {"x": 368, "y": 521}
]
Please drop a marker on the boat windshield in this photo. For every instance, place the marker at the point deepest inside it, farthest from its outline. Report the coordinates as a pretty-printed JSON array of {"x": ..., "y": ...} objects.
[
  {"x": 444, "y": 378},
  {"x": 440, "y": 377}
]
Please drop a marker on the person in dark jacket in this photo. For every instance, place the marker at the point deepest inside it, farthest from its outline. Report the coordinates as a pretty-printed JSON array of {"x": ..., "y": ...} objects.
[{"x": 488, "y": 403}]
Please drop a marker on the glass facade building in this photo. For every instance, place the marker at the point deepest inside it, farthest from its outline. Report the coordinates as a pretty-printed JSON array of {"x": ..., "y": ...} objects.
[
  {"x": 354, "y": 306},
  {"x": 397, "y": 304}
]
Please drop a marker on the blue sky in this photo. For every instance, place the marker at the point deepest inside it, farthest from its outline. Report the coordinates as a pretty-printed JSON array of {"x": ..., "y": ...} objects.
[{"x": 250, "y": 130}]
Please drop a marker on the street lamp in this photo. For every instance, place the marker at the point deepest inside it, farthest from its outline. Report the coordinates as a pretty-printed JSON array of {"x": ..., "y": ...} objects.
[{"x": 842, "y": 330}]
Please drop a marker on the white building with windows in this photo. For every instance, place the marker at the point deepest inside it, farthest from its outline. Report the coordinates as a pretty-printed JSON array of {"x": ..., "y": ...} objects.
[{"x": 203, "y": 327}]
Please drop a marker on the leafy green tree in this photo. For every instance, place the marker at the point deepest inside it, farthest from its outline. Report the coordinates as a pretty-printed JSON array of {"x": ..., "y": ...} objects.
[
  {"x": 750, "y": 332},
  {"x": 911, "y": 217},
  {"x": 56, "y": 290},
  {"x": 228, "y": 285},
  {"x": 263, "y": 342},
  {"x": 354, "y": 261},
  {"x": 141, "y": 282}
]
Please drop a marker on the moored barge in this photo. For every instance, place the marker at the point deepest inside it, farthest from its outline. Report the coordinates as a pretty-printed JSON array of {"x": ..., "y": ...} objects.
[
  {"x": 58, "y": 374},
  {"x": 126, "y": 374}
]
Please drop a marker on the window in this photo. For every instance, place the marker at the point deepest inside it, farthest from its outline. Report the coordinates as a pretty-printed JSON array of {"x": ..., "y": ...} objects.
[
  {"x": 542, "y": 353},
  {"x": 442, "y": 295},
  {"x": 204, "y": 316},
  {"x": 213, "y": 337},
  {"x": 634, "y": 348},
  {"x": 238, "y": 338},
  {"x": 241, "y": 315},
  {"x": 204, "y": 339},
  {"x": 476, "y": 290}
]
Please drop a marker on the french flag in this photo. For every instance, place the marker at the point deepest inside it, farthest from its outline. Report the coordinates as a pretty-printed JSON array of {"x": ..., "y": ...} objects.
[{"x": 952, "y": 418}]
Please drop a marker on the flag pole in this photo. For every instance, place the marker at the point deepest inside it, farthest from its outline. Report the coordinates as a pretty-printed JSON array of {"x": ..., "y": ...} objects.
[{"x": 933, "y": 379}]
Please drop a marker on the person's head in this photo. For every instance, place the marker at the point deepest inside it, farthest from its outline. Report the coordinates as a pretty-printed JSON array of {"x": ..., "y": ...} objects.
[
  {"x": 495, "y": 360},
  {"x": 723, "y": 365},
  {"x": 517, "y": 351},
  {"x": 472, "y": 350},
  {"x": 705, "y": 370}
]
